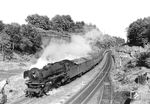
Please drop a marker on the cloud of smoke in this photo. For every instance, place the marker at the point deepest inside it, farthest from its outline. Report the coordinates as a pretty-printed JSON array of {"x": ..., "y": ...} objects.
[{"x": 80, "y": 46}]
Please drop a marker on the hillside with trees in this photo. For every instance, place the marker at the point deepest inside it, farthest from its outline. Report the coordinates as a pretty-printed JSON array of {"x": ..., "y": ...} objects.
[{"x": 26, "y": 39}]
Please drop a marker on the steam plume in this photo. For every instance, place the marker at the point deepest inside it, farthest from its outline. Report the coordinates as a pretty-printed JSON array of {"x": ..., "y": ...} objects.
[{"x": 79, "y": 46}]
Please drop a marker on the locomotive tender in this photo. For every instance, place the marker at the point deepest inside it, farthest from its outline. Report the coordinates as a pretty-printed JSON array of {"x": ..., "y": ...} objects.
[{"x": 53, "y": 75}]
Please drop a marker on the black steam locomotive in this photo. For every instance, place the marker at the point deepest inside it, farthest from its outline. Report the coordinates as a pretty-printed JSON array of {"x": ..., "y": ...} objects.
[{"x": 53, "y": 75}]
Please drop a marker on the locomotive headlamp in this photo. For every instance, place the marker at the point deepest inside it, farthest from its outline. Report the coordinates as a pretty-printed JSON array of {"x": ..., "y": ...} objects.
[{"x": 50, "y": 82}]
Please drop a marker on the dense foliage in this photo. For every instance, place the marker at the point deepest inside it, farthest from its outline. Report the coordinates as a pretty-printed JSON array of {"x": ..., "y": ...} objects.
[
  {"x": 139, "y": 32},
  {"x": 5, "y": 46},
  {"x": 62, "y": 23},
  {"x": 134, "y": 56},
  {"x": 39, "y": 21},
  {"x": 1, "y": 26},
  {"x": 23, "y": 39},
  {"x": 143, "y": 59},
  {"x": 58, "y": 23},
  {"x": 109, "y": 42},
  {"x": 31, "y": 39},
  {"x": 27, "y": 38}
]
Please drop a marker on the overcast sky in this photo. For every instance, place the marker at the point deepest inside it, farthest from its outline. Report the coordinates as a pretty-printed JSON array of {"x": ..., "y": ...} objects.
[{"x": 110, "y": 16}]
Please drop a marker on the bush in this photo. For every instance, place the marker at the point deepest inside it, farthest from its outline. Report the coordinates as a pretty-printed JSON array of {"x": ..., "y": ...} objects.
[
  {"x": 108, "y": 42},
  {"x": 143, "y": 59}
]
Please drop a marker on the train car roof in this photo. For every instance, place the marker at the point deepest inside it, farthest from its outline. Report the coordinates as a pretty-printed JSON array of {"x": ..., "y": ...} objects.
[
  {"x": 82, "y": 60},
  {"x": 68, "y": 61}
]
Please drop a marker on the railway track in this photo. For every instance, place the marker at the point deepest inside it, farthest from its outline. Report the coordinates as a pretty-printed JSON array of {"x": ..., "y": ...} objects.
[
  {"x": 86, "y": 94},
  {"x": 107, "y": 95},
  {"x": 106, "y": 68},
  {"x": 99, "y": 100}
]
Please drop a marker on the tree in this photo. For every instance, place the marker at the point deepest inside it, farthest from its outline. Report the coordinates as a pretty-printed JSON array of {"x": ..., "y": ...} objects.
[
  {"x": 138, "y": 32},
  {"x": 80, "y": 24},
  {"x": 5, "y": 46},
  {"x": 119, "y": 41},
  {"x": 13, "y": 30},
  {"x": 31, "y": 39},
  {"x": 62, "y": 23},
  {"x": 39, "y": 21},
  {"x": 1, "y": 26},
  {"x": 78, "y": 27},
  {"x": 108, "y": 41}
]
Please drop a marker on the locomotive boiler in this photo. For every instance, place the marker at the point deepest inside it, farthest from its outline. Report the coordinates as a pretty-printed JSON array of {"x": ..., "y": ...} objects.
[{"x": 53, "y": 75}]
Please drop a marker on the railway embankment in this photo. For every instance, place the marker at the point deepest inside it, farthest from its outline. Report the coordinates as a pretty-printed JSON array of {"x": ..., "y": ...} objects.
[{"x": 131, "y": 75}]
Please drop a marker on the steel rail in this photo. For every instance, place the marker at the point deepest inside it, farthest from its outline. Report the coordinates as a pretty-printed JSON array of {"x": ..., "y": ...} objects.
[
  {"x": 100, "y": 96},
  {"x": 85, "y": 94},
  {"x": 99, "y": 84},
  {"x": 111, "y": 89}
]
